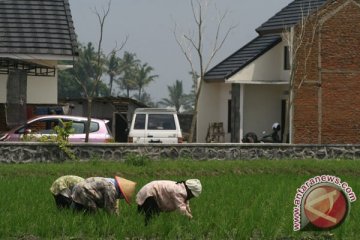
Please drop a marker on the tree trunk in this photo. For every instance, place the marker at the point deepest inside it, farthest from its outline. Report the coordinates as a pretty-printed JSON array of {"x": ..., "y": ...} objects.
[
  {"x": 111, "y": 84},
  {"x": 89, "y": 113}
]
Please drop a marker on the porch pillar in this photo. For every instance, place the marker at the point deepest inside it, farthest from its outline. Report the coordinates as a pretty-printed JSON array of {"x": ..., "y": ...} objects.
[
  {"x": 16, "y": 98},
  {"x": 235, "y": 112}
]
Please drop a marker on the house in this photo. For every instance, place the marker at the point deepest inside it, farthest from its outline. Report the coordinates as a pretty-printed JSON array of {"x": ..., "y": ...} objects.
[
  {"x": 118, "y": 110},
  {"x": 35, "y": 36},
  {"x": 302, "y": 70}
]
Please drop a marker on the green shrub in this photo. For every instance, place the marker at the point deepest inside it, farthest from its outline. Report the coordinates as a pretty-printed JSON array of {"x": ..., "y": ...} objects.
[{"x": 136, "y": 159}]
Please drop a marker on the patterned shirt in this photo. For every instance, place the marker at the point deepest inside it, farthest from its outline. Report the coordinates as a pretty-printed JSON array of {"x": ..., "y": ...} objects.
[
  {"x": 96, "y": 192},
  {"x": 168, "y": 195},
  {"x": 63, "y": 185}
]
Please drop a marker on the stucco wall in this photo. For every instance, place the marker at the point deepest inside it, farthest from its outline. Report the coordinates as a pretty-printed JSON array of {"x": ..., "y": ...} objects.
[
  {"x": 40, "y": 90},
  {"x": 262, "y": 107},
  {"x": 213, "y": 108},
  {"x": 268, "y": 67}
]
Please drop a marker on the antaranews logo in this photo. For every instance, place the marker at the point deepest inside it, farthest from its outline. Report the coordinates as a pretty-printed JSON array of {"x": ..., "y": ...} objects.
[{"x": 322, "y": 202}]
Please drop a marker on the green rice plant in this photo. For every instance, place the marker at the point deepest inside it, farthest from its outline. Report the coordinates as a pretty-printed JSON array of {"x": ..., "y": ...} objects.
[
  {"x": 136, "y": 159},
  {"x": 240, "y": 200}
]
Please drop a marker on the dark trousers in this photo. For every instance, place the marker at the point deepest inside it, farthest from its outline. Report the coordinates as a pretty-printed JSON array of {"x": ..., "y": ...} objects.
[
  {"x": 62, "y": 201},
  {"x": 81, "y": 208},
  {"x": 149, "y": 208}
]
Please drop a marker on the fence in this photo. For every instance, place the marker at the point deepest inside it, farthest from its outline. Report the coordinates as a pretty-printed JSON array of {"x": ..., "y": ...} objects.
[{"x": 25, "y": 152}]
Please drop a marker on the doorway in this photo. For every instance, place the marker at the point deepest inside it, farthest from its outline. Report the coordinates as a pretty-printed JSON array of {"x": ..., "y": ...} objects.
[{"x": 121, "y": 127}]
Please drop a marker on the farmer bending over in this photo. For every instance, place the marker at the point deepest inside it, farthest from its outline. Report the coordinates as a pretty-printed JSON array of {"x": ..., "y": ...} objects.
[
  {"x": 98, "y": 192},
  {"x": 61, "y": 190},
  {"x": 166, "y": 196}
]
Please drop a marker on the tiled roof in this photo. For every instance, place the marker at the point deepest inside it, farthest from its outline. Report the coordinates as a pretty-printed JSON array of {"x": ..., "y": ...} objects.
[
  {"x": 269, "y": 36},
  {"x": 290, "y": 15},
  {"x": 37, "y": 27},
  {"x": 242, "y": 57}
]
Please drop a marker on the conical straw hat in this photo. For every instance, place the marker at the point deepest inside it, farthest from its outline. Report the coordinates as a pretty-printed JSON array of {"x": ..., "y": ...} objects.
[{"x": 127, "y": 188}]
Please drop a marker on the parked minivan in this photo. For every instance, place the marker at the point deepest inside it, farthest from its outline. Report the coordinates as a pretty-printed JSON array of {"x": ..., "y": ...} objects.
[{"x": 155, "y": 125}]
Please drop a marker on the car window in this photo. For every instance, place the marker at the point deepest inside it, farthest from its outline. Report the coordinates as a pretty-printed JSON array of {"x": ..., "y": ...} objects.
[
  {"x": 45, "y": 126},
  {"x": 94, "y": 126},
  {"x": 139, "y": 121},
  {"x": 161, "y": 122},
  {"x": 79, "y": 127}
]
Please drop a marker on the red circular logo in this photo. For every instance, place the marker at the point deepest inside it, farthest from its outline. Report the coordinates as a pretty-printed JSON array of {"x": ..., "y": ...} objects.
[{"x": 326, "y": 207}]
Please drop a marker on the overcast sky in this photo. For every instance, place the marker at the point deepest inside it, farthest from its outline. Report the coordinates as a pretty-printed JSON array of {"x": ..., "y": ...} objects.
[{"x": 149, "y": 25}]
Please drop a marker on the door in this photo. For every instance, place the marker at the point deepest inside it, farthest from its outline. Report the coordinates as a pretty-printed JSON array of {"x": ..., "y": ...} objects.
[
  {"x": 121, "y": 127},
  {"x": 161, "y": 128}
]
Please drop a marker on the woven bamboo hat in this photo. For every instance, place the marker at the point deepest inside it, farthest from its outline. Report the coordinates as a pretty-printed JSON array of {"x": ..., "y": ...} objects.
[{"x": 127, "y": 188}]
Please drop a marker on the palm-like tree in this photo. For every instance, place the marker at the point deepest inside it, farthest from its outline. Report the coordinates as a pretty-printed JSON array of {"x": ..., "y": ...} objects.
[
  {"x": 145, "y": 98},
  {"x": 177, "y": 98},
  {"x": 113, "y": 68},
  {"x": 143, "y": 77},
  {"x": 128, "y": 68}
]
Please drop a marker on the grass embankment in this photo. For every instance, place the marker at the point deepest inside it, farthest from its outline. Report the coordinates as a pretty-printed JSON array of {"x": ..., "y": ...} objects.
[{"x": 240, "y": 200}]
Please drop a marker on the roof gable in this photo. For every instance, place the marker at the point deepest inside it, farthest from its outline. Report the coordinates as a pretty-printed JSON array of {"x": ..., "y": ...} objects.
[
  {"x": 242, "y": 57},
  {"x": 290, "y": 15},
  {"x": 37, "y": 27},
  {"x": 269, "y": 36}
]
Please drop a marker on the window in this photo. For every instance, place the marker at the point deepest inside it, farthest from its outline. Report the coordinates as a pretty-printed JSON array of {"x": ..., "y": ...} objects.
[
  {"x": 161, "y": 122},
  {"x": 139, "y": 121},
  {"x": 79, "y": 127},
  {"x": 40, "y": 127},
  {"x": 287, "y": 65},
  {"x": 94, "y": 127}
]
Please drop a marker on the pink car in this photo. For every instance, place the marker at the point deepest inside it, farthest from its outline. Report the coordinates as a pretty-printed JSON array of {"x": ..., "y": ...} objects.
[{"x": 44, "y": 125}]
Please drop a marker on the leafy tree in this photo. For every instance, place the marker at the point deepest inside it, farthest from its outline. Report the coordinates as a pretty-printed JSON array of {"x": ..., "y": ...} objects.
[
  {"x": 83, "y": 74},
  {"x": 128, "y": 67},
  {"x": 143, "y": 77},
  {"x": 66, "y": 86},
  {"x": 191, "y": 97},
  {"x": 146, "y": 99},
  {"x": 177, "y": 98},
  {"x": 113, "y": 69}
]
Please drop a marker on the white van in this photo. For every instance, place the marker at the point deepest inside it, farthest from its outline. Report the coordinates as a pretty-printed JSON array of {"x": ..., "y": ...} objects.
[{"x": 155, "y": 125}]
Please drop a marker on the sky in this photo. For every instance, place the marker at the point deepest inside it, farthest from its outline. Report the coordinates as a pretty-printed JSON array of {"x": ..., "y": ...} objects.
[{"x": 149, "y": 26}]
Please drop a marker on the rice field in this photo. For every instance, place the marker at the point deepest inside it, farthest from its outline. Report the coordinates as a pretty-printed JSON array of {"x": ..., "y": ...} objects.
[{"x": 240, "y": 200}]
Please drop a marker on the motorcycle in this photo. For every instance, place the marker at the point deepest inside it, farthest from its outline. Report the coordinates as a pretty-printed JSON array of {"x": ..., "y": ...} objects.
[{"x": 274, "y": 137}]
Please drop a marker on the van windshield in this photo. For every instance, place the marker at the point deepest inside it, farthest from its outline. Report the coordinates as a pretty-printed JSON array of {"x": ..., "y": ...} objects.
[
  {"x": 161, "y": 122},
  {"x": 139, "y": 121}
]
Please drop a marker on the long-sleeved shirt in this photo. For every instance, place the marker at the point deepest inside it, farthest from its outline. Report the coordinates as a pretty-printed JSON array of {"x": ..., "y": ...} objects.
[
  {"x": 97, "y": 192},
  {"x": 63, "y": 185},
  {"x": 168, "y": 195}
]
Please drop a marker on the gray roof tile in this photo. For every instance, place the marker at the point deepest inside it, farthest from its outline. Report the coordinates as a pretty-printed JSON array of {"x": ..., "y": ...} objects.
[
  {"x": 290, "y": 15},
  {"x": 269, "y": 36},
  {"x": 37, "y": 27},
  {"x": 242, "y": 57}
]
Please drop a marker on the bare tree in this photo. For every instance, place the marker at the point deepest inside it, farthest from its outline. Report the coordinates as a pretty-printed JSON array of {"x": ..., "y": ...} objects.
[
  {"x": 189, "y": 44},
  {"x": 100, "y": 60}
]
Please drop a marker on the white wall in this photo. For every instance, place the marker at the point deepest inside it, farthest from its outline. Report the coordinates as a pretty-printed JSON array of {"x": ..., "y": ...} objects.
[
  {"x": 213, "y": 108},
  {"x": 262, "y": 107},
  {"x": 40, "y": 90},
  {"x": 268, "y": 67}
]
